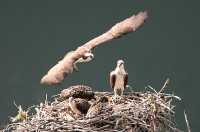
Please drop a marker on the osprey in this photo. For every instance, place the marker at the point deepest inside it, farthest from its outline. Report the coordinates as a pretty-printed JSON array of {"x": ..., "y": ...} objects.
[
  {"x": 98, "y": 107},
  {"x": 84, "y": 59},
  {"x": 78, "y": 106},
  {"x": 118, "y": 78}
]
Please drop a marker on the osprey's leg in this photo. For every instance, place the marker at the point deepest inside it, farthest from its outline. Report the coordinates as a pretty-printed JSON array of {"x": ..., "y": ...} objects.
[
  {"x": 118, "y": 91},
  {"x": 117, "y": 95},
  {"x": 75, "y": 67}
]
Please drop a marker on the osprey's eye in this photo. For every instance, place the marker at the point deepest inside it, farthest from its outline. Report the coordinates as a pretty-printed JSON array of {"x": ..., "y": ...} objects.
[{"x": 121, "y": 63}]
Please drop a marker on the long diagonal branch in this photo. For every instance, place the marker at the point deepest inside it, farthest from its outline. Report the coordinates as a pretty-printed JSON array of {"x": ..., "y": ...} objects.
[{"x": 64, "y": 67}]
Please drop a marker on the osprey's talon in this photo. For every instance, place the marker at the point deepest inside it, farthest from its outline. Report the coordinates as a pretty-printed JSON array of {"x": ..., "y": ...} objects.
[
  {"x": 75, "y": 67},
  {"x": 116, "y": 99}
]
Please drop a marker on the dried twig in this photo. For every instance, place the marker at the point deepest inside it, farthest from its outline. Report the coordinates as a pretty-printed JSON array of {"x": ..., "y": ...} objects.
[
  {"x": 154, "y": 114},
  {"x": 165, "y": 85},
  {"x": 187, "y": 122},
  {"x": 64, "y": 67}
]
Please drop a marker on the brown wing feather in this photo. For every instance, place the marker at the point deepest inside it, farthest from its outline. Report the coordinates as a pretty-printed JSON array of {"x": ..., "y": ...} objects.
[
  {"x": 112, "y": 80},
  {"x": 125, "y": 80}
]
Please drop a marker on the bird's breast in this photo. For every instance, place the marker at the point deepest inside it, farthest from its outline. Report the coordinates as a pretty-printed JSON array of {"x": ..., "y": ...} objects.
[{"x": 119, "y": 83}]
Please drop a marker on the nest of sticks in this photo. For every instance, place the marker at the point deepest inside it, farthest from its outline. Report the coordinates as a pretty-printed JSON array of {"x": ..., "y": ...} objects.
[{"x": 147, "y": 111}]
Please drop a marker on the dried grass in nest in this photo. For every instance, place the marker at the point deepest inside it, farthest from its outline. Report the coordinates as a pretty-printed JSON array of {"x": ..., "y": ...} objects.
[{"x": 137, "y": 112}]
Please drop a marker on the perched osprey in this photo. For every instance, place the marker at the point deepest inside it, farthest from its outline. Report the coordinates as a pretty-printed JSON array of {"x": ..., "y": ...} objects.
[{"x": 118, "y": 78}]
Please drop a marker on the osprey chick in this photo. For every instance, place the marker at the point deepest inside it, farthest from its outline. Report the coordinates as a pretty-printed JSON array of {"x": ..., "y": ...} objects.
[
  {"x": 118, "y": 78},
  {"x": 78, "y": 106}
]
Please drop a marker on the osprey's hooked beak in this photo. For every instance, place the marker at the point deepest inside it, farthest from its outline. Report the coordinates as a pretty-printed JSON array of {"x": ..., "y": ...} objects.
[
  {"x": 120, "y": 63},
  {"x": 88, "y": 55}
]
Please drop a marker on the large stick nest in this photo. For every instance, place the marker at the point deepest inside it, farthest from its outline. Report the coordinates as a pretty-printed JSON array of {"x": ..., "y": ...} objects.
[{"x": 148, "y": 111}]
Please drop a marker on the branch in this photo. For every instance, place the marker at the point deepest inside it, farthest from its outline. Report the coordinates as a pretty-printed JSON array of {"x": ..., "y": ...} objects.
[
  {"x": 65, "y": 67},
  {"x": 187, "y": 122}
]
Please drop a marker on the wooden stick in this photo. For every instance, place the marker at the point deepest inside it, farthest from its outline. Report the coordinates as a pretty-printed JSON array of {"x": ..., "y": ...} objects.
[
  {"x": 64, "y": 67},
  {"x": 165, "y": 85},
  {"x": 187, "y": 122}
]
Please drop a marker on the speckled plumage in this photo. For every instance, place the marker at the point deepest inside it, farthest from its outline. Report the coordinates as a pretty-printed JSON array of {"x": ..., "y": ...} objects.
[
  {"x": 100, "y": 106},
  {"x": 78, "y": 91}
]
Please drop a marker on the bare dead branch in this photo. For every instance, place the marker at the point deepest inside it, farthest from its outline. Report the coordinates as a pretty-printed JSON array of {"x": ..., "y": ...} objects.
[
  {"x": 165, "y": 85},
  {"x": 187, "y": 122},
  {"x": 64, "y": 67}
]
